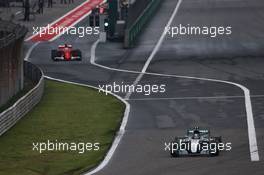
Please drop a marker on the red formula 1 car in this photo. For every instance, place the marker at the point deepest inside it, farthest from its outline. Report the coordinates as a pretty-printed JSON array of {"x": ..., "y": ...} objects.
[{"x": 66, "y": 53}]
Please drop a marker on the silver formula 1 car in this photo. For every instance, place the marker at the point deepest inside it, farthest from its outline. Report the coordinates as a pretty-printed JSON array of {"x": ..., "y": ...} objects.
[
  {"x": 196, "y": 142},
  {"x": 66, "y": 53}
]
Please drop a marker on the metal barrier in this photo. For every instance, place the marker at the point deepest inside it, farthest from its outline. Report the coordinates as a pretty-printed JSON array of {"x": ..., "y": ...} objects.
[
  {"x": 135, "y": 10},
  {"x": 13, "y": 114},
  {"x": 134, "y": 30}
]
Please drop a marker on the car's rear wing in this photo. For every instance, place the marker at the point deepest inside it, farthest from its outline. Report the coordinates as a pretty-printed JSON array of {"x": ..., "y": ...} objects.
[
  {"x": 63, "y": 46},
  {"x": 202, "y": 131}
]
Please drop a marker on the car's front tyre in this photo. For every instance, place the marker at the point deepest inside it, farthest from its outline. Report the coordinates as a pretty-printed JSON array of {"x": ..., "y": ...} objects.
[{"x": 175, "y": 148}]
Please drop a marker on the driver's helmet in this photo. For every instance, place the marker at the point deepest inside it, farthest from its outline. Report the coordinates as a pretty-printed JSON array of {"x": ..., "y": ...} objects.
[{"x": 196, "y": 134}]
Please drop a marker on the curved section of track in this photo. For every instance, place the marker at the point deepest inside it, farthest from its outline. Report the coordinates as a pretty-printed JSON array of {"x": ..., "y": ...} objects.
[{"x": 153, "y": 121}]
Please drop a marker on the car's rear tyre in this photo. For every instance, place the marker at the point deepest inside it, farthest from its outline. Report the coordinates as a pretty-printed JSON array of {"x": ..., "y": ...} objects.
[
  {"x": 214, "y": 151},
  {"x": 54, "y": 53},
  {"x": 77, "y": 53},
  {"x": 175, "y": 154},
  {"x": 218, "y": 139}
]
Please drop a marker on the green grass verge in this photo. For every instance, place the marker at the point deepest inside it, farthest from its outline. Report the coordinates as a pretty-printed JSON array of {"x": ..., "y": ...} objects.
[{"x": 67, "y": 113}]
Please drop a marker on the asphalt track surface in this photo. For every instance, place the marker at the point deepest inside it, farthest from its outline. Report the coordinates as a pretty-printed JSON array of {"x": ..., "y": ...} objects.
[{"x": 158, "y": 118}]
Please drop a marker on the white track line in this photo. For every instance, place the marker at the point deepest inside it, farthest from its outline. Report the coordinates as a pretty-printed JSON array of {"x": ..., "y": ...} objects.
[
  {"x": 118, "y": 136},
  {"x": 251, "y": 128},
  {"x": 194, "y": 98},
  {"x": 30, "y": 50},
  {"x": 121, "y": 131},
  {"x": 156, "y": 49},
  {"x": 253, "y": 147}
]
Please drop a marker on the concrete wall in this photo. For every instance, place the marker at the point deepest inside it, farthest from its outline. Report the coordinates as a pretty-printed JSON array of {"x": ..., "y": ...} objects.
[
  {"x": 11, "y": 61},
  {"x": 138, "y": 22},
  {"x": 12, "y": 115},
  {"x": 135, "y": 10}
]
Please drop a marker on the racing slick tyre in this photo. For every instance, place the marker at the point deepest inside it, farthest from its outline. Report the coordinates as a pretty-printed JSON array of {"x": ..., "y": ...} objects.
[
  {"x": 214, "y": 151},
  {"x": 218, "y": 139},
  {"x": 54, "y": 54},
  {"x": 77, "y": 53},
  {"x": 175, "y": 148}
]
